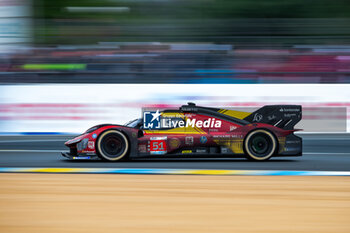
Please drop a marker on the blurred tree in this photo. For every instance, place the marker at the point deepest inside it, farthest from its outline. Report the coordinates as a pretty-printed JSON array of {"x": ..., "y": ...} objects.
[{"x": 158, "y": 20}]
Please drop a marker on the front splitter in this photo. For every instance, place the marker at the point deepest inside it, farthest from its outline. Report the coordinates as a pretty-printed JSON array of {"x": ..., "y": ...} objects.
[{"x": 80, "y": 157}]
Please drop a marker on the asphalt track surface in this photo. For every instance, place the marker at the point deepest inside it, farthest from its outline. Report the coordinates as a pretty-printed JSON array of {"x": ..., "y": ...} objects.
[{"x": 321, "y": 152}]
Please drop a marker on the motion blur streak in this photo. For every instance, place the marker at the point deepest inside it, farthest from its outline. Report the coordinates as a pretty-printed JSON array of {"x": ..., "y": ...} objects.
[
  {"x": 160, "y": 63},
  {"x": 178, "y": 41},
  {"x": 152, "y": 204},
  {"x": 67, "y": 65},
  {"x": 73, "y": 108},
  {"x": 173, "y": 171}
]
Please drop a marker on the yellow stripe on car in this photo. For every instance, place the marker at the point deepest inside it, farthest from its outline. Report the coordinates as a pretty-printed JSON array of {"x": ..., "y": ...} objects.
[
  {"x": 180, "y": 130},
  {"x": 236, "y": 114}
]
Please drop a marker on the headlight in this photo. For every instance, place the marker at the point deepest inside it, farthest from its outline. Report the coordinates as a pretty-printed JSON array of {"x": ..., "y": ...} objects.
[{"x": 83, "y": 144}]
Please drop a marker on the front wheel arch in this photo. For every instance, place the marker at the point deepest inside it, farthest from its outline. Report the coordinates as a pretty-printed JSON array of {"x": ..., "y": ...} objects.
[{"x": 126, "y": 151}]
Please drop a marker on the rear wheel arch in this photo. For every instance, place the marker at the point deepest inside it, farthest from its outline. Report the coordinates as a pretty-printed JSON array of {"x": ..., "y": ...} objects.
[{"x": 252, "y": 156}]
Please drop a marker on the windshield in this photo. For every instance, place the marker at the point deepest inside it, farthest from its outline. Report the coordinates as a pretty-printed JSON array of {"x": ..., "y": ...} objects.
[{"x": 134, "y": 123}]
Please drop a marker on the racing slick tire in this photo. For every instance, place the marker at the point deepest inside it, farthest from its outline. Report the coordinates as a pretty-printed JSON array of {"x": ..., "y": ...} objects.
[
  {"x": 260, "y": 145},
  {"x": 112, "y": 145}
]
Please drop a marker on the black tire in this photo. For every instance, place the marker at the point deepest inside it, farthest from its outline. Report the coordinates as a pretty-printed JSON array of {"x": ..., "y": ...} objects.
[
  {"x": 260, "y": 145},
  {"x": 112, "y": 145}
]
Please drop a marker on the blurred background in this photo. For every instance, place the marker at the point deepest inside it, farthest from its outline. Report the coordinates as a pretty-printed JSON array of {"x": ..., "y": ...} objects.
[
  {"x": 67, "y": 65},
  {"x": 81, "y": 43},
  {"x": 73, "y": 108},
  {"x": 174, "y": 41}
]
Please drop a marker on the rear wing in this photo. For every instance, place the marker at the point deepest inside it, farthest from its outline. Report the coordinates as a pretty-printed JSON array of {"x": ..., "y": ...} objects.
[{"x": 281, "y": 116}]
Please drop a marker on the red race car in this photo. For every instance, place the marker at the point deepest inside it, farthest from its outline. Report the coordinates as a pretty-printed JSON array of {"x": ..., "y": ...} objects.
[{"x": 194, "y": 131}]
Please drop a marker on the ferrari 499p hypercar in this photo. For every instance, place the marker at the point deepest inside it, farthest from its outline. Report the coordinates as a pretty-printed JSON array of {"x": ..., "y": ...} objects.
[{"x": 191, "y": 131}]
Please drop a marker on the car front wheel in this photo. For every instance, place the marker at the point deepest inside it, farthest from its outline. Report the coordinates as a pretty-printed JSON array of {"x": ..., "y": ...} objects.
[{"x": 112, "y": 145}]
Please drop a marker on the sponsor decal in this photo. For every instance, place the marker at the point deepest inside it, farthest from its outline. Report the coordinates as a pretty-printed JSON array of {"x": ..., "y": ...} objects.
[
  {"x": 272, "y": 117},
  {"x": 151, "y": 120},
  {"x": 189, "y": 109},
  {"x": 155, "y": 120},
  {"x": 189, "y": 140},
  {"x": 91, "y": 145},
  {"x": 158, "y": 145},
  {"x": 142, "y": 148},
  {"x": 186, "y": 151},
  {"x": 290, "y": 115},
  {"x": 221, "y": 136},
  {"x": 224, "y": 150},
  {"x": 289, "y": 110},
  {"x": 232, "y": 127},
  {"x": 94, "y": 135},
  {"x": 159, "y": 138},
  {"x": 174, "y": 143},
  {"x": 293, "y": 142},
  {"x": 257, "y": 117},
  {"x": 157, "y": 152},
  {"x": 82, "y": 157},
  {"x": 203, "y": 139},
  {"x": 201, "y": 150}
]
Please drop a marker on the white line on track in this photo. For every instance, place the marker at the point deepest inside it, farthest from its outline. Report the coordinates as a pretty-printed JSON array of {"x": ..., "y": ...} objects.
[
  {"x": 325, "y": 153},
  {"x": 59, "y": 151},
  {"x": 315, "y": 133},
  {"x": 325, "y": 139},
  {"x": 37, "y": 140},
  {"x": 47, "y": 151}
]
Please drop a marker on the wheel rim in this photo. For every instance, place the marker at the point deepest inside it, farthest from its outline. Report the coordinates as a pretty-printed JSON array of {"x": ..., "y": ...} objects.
[
  {"x": 112, "y": 145},
  {"x": 260, "y": 145}
]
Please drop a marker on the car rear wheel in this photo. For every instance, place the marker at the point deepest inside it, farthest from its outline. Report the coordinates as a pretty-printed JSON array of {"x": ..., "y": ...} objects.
[
  {"x": 260, "y": 145},
  {"x": 112, "y": 145}
]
